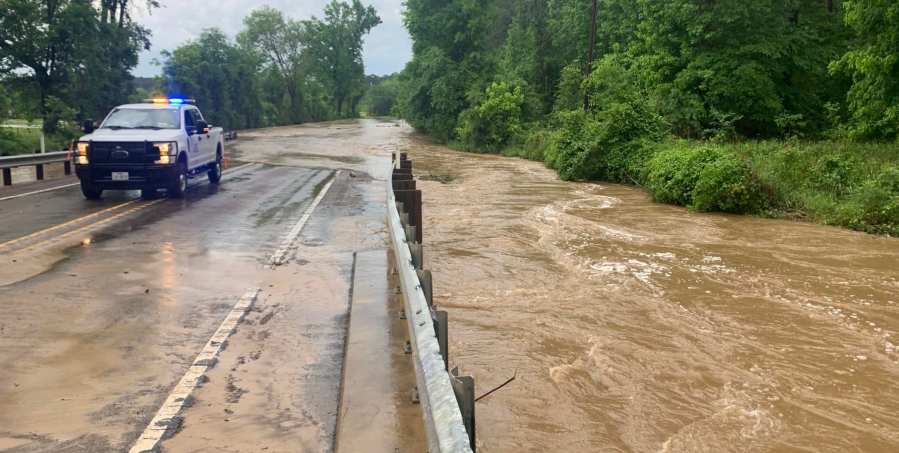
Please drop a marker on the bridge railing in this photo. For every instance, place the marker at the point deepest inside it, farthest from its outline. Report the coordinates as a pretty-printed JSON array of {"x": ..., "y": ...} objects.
[
  {"x": 38, "y": 161},
  {"x": 447, "y": 400}
]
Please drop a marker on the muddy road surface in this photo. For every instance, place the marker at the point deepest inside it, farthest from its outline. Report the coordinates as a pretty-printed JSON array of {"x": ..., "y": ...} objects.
[
  {"x": 109, "y": 308},
  {"x": 639, "y": 327}
]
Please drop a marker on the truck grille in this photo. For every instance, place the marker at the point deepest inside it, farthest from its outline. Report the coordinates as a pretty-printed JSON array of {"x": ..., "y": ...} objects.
[{"x": 121, "y": 153}]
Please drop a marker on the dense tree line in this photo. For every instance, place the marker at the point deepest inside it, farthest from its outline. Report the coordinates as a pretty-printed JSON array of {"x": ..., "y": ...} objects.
[
  {"x": 278, "y": 70},
  {"x": 525, "y": 77},
  {"x": 62, "y": 60},
  {"x": 766, "y": 68}
]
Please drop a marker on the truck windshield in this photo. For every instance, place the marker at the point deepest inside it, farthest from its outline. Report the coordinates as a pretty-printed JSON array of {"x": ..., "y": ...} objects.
[{"x": 143, "y": 119}]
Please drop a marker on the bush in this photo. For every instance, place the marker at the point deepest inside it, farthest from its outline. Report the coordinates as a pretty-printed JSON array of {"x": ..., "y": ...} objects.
[
  {"x": 610, "y": 145},
  {"x": 728, "y": 185},
  {"x": 495, "y": 120},
  {"x": 530, "y": 144},
  {"x": 673, "y": 174}
]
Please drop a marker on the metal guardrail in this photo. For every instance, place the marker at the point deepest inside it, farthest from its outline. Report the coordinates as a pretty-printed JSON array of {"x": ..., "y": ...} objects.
[
  {"x": 447, "y": 401},
  {"x": 7, "y": 163}
]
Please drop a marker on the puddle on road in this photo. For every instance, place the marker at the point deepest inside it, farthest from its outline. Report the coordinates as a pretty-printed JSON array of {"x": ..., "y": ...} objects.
[{"x": 642, "y": 327}]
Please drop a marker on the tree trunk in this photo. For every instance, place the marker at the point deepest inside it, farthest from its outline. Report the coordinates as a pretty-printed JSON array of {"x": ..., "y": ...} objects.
[
  {"x": 590, "y": 52},
  {"x": 122, "y": 12}
]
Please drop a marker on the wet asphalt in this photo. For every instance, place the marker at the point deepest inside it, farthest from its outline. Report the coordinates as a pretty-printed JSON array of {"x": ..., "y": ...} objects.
[{"x": 106, "y": 304}]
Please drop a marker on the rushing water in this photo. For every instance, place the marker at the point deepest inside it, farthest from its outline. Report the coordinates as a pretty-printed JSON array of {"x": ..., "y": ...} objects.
[{"x": 635, "y": 326}]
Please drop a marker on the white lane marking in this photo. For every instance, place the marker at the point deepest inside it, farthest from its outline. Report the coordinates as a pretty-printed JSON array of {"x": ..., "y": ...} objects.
[
  {"x": 239, "y": 168},
  {"x": 167, "y": 418},
  {"x": 51, "y": 189},
  {"x": 280, "y": 255},
  {"x": 65, "y": 224}
]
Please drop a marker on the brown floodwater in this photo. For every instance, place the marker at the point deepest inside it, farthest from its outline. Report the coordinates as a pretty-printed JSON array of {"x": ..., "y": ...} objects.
[{"x": 640, "y": 327}]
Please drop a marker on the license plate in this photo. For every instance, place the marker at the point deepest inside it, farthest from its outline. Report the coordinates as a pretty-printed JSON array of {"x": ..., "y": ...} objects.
[{"x": 120, "y": 176}]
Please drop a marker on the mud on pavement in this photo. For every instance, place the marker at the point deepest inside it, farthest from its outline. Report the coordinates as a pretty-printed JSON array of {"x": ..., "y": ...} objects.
[{"x": 97, "y": 334}]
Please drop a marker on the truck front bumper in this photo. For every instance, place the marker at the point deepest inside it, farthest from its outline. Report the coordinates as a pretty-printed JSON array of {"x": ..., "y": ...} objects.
[{"x": 139, "y": 176}]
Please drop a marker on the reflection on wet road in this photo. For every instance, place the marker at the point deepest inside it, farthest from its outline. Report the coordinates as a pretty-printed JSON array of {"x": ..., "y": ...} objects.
[{"x": 641, "y": 327}]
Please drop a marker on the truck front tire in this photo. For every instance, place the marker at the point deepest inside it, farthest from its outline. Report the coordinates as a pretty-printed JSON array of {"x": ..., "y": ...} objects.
[
  {"x": 90, "y": 191},
  {"x": 215, "y": 171},
  {"x": 179, "y": 185}
]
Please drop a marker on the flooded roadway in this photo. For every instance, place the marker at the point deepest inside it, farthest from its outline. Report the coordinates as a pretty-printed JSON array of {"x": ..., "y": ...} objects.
[
  {"x": 639, "y": 327},
  {"x": 633, "y": 326},
  {"x": 104, "y": 306}
]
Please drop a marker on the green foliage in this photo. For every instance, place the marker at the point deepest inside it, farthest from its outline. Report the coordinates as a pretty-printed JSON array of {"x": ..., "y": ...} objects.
[
  {"x": 280, "y": 71},
  {"x": 213, "y": 70},
  {"x": 335, "y": 44},
  {"x": 382, "y": 95},
  {"x": 433, "y": 94},
  {"x": 531, "y": 144},
  {"x": 674, "y": 174},
  {"x": 873, "y": 64},
  {"x": 611, "y": 140},
  {"x": 69, "y": 59},
  {"x": 728, "y": 185},
  {"x": 723, "y": 71},
  {"x": 493, "y": 123}
]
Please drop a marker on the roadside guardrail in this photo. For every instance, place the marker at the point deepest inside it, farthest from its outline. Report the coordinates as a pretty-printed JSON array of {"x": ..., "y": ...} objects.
[
  {"x": 447, "y": 400},
  {"x": 7, "y": 163}
]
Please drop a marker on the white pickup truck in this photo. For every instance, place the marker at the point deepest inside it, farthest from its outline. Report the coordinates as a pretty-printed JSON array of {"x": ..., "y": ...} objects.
[{"x": 147, "y": 147}]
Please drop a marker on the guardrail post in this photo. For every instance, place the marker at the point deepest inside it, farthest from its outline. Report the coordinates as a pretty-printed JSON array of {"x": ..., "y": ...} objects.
[
  {"x": 39, "y": 172},
  {"x": 67, "y": 167},
  {"x": 418, "y": 257},
  {"x": 427, "y": 286},
  {"x": 7, "y": 176},
  {"x": 412, "y": 201},
  {"x": 399, "y": 185},
  {"x": 441, "y": 328},
  {"x": 463, "y": 386}
]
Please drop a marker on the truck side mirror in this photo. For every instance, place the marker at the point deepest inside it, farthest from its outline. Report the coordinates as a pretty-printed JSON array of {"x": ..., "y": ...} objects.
[
  {"x": 202, "y": 127},
  {"x": 88, "y": 126}
]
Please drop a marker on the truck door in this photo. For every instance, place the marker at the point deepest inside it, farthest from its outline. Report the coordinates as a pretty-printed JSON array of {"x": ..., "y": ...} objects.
[
  {"x": 194, "y": 151},
  {"x": 207, "y": 144}
]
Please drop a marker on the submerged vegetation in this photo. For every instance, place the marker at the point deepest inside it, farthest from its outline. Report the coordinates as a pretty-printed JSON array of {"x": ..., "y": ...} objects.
[{"x": 787, "y": 109}]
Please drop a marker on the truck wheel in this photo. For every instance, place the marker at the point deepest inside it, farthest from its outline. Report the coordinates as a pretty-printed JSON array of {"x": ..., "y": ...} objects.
[
  {"x": 179, "y": 185},
  {"x": 90, "y": 191},
  {"x": 215, "y": 172}
]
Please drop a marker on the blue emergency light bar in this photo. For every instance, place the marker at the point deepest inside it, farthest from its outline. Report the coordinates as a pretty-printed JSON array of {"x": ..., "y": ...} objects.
[{"x": 170, "y": 101}]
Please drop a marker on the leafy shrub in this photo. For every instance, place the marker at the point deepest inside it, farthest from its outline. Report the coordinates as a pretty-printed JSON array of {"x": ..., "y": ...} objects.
[
  {"x": 615, "y": 138},
  {"x": 495, "y": 120},
  {"x": 530, "y": 144},
  {"x": 833, "y": 174},
  {"x": 728, "y": 185},
  {"x": 673, "y": 174}
]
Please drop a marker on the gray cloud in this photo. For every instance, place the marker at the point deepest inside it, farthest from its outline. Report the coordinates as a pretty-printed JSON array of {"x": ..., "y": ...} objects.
[{"x": 387, "y": 48}]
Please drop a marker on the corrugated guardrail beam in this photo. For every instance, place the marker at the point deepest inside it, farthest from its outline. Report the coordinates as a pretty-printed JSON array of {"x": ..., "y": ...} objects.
[
  {"x": 7, "y": 163},
  {"x": 447, "y": 430}
]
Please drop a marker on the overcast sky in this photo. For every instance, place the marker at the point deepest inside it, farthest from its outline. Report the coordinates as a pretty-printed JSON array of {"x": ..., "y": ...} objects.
[{"x": 387, "y": 48}]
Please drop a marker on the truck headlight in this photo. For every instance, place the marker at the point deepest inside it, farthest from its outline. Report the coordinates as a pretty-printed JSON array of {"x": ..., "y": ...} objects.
[
  {"x": 81, "y": 149},
  {"x": 166, "y": 150}
]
